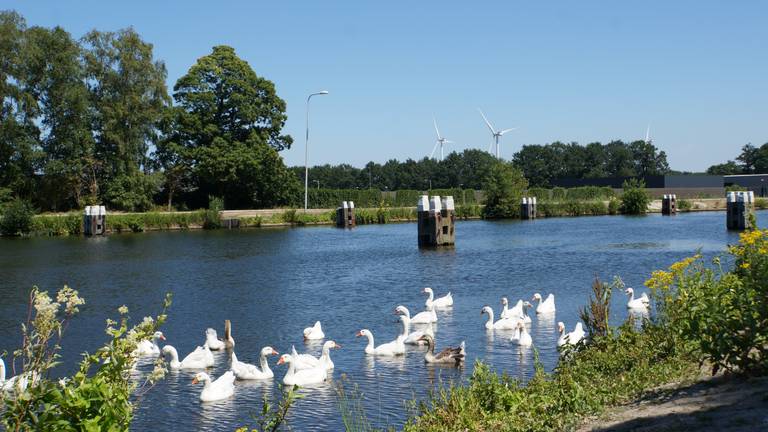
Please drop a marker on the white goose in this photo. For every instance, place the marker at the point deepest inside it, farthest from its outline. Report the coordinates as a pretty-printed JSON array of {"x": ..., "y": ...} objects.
[
  {"x": 388, "y": 349},
  {"x": 426, "y": 317},
  {"x": 315, "y": 332},
  {"x": 13, "y": 384},
  {"x": 502, "y": 324},
  {"x": 640, "y": 303},
  {"x": 440, "y": 302},
  {"x": 521, "y": 336},
  {"x": 524, "y": 317},
  {"x": 247, "y": 371},
  {"x": 200, "y": 358},
  {"x": 149, "y": 347},
  {"x": 308, "y": 361},
  {"x": 302, "y": 377},
  {"x": 229, "y": 341},
  {"x": 412, "y": 338},
  {"x": 571, "y": 338},
  {"x": 546, "y": 306},
  {"x": 212, "y": 340},
  {"x": 222, "y": 388}
]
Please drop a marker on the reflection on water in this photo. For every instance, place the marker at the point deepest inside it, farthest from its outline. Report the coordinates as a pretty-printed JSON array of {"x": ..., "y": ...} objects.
[{"x": 272, "y": 283}]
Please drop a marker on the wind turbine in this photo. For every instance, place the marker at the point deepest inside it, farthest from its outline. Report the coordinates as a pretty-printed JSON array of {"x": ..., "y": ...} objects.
[
  {"x": 496, "y": 133},
  {"x": 440, "y": 141},
  {"x": 648, "y": 134}
]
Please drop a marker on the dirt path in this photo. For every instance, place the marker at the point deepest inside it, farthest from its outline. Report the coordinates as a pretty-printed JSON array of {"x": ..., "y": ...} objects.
[{"x": 712, "y": 404}]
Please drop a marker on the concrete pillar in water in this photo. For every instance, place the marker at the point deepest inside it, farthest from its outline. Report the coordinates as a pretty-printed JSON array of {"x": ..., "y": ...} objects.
[
  {"x": 669, "y": 205},
  {"x": 94, "y": 220},
  {"x": 345, "y": 215},
  {"x": 739, "y": 206},
  {"x": 436, "y": 220},
  {"x": 528, "y": 208}
]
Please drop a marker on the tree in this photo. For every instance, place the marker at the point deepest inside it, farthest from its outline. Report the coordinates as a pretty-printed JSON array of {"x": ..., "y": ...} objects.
[
  {"x": 747, "y": 158},
  {"x": 727, "y": 168},
  {"x": 55, "y": 77},
  {"x": 634, "y": 198},
  {"x": 128, "y": 97},
  {"x": 503, "y": 191},
  {"x": 19, "y": 150},
  {"x": 225, "y": 134}
]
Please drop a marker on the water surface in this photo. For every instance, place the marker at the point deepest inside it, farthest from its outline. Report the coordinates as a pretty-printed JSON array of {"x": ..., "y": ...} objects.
[{"x": 274, "y": 282}]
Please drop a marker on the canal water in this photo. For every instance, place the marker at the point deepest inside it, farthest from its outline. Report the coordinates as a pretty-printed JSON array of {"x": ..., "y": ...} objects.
[{"x": 272, "y": 283}]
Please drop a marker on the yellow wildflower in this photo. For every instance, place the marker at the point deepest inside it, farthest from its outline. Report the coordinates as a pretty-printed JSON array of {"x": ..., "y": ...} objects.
[{"x": 744, "y": 265}]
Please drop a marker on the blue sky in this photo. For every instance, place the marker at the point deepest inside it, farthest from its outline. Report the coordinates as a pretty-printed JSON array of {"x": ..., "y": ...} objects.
[{"x": 571, "y": 71}]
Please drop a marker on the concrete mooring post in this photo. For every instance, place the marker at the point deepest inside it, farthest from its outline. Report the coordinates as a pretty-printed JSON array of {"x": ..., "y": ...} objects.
[
  {"x": 436, "y": 221},
  {"x": 739, "y": 206},
  {"x": 345, "y": 215},
  {"x": 528, "y": 208},
  {"x": 669, "y": 205},
  {"x": 94, "y": 220}
]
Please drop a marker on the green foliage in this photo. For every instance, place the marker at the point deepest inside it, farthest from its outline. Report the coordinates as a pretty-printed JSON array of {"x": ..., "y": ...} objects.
[
  {"x": 634, "y": 198},
  {"x": 684, "y": 205},
  {"x": 720, "y": 314},
  {"x": 224, "y": 135},
  {"x": 735, "y": 188},
  {"x": 99, "y": 395},
  {"x": 132, "y": 193},
  {"x": 57, "y": 225},
  {"x": 271, "y": 418},
  {"x": 542, "y": 163},
  {"x": 16, "y": 218},
  {"x": 614, "y": 205},
  {"x": 503, "y": 191},
  {"x": 350, "y": 403},
  {"x": 213, "y": 214},
  {"x": 571, "y": 208},
  {"x": 761, "y": 203},
  {"x": 595, "y": 316},
  {"x": 611, "y": 370}
]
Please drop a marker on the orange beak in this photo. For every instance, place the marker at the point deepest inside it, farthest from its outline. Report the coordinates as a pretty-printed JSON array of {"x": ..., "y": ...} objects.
[
  {"x": 162, "y": 337},
  {"x": 358, "y": 334},
  {"x": 274, "y": 352},
  {"x": 194, "y": 380},
  {"x": 337, "y": 346},
  {"x": 281, "y": 361}
]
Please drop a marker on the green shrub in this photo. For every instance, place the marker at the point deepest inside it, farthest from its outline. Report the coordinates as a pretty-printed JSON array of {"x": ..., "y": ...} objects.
[
  {"x": 212, "y": 214},
  {"x": 132, "y": 193},
  {"x": 57, "y": 225},
  {"x": 614, "y": 206},
  {"x": 503, "y": 191},
  {"x": 634, "y": 198},
  {"x": 16, "y": 218},
  {"x": 684, "y": 205},
  {"x": 735, "y": 188},
  {"x": 761, "y": 203},
  {"x": 720, "y": 314}
]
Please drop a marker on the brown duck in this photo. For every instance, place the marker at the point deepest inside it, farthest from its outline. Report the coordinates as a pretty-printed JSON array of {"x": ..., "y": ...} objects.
[{"x": 452, "y": 356}]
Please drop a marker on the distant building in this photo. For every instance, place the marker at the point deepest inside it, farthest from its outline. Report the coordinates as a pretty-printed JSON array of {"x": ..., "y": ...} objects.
[
  {"x": 685, "y": 186},
  {"x": 757, "y": 183}
]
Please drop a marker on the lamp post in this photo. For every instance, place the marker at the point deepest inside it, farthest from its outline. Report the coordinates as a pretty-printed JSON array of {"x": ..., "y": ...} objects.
[
  {"x": 318, "y": 183},
  {"x": 306, "y": 150}
]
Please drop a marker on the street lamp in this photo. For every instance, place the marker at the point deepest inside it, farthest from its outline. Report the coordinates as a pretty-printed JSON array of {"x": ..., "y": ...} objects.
[{"x": 306, "y": 150}]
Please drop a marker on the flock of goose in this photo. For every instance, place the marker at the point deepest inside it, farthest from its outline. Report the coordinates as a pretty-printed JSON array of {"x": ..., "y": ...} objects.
[{"x": 305, "y": 369}]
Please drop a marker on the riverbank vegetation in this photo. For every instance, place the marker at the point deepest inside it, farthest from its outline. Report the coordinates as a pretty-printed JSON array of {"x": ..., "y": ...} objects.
[
  {"x": 704, "y": 314},
  {"x": 101, "y": 395}
]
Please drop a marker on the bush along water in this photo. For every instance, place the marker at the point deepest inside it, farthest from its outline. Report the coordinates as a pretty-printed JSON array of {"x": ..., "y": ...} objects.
[
  {"x": 16, "y": 218},
  {"x": 634, "y": 198}
]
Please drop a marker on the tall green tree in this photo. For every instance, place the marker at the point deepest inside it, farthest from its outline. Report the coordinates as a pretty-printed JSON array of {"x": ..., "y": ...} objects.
[
  {"x": 54, "y": 76},
  {"x": 19, "y": 148},
  {"x": 128, "y": 98},
  {"x": 226, "y": 131}
]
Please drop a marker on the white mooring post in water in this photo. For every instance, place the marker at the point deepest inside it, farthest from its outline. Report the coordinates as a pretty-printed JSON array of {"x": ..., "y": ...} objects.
[
  {"x": 436, "y": 219},
  {"x": 345, "y": 215},
  {"x": 528, "y": 208},
  {"x": 669, "y": 205},
  {"x": 739, "y": 206},
  {"x": 94, "y": 220}
]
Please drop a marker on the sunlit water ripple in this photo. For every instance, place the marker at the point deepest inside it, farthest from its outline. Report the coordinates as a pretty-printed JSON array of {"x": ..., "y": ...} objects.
[{"x": 274, "y": 282}]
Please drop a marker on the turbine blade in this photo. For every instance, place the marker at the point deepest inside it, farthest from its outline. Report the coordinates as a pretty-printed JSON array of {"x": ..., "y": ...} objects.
[
  {"x": 448, "y": 141},
  {"x": 493, "y": 131},
  {"x": 433, "y": 149},
  {"x": 436, "y": 130},
  {"x": 506, "y": 130},
  {"x": 490, "y": 147},
  {"x": 648, "y": 134}
]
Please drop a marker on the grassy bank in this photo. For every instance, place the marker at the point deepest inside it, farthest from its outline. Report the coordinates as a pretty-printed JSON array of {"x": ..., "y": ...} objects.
[{"x": 703, "y": 315}]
